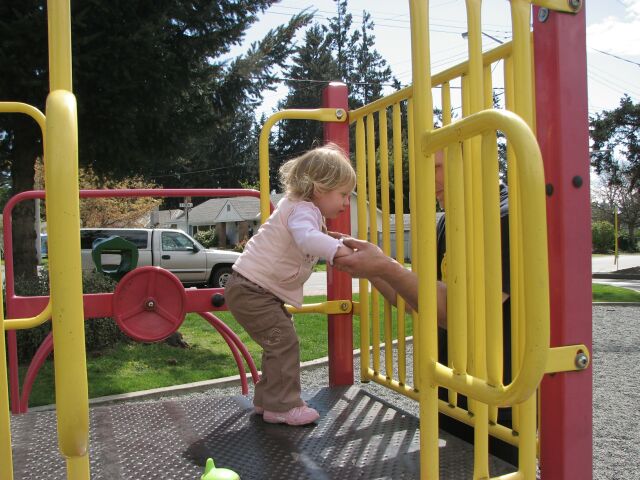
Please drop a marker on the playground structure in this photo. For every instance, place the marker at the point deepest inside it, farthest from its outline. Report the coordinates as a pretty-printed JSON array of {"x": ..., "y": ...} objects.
[{"x": 551, "y": 331}]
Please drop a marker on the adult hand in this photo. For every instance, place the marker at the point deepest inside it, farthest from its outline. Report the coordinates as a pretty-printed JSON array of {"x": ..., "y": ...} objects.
[
  {"x": 367, "y": 261},
  {"x": 337, "y": 235}
]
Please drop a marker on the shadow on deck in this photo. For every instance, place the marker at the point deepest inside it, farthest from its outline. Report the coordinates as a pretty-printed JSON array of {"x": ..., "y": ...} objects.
[{"x": 358, "y": 436}]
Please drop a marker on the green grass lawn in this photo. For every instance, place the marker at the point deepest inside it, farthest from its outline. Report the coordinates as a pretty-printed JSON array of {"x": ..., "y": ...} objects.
[
  {"x": 610, "y": 293},
  {"x": 130, "y": 367}
]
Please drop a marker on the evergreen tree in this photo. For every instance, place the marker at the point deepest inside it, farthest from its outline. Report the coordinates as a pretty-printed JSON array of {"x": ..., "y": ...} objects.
[
  {"x": 154, "y": 91},
  {"x": 337, "y": 52}
]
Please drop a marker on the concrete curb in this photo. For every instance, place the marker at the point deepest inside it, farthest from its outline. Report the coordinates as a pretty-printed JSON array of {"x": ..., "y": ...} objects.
[
  {"x": 616, "y": 304},
  {"x": 617, "y": 276}
]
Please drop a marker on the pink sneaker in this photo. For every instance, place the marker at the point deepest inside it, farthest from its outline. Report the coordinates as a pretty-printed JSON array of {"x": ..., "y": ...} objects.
[
  {"x": 259, "y": 410},
  {"x": 302, "y": 415}
]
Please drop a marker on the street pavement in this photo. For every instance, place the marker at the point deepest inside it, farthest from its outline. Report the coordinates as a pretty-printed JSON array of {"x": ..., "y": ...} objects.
[{"x": 604, "y": 263}]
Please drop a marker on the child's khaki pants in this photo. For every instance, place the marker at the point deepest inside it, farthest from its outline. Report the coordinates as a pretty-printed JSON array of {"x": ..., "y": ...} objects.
[{"x": 266, "y": 320}]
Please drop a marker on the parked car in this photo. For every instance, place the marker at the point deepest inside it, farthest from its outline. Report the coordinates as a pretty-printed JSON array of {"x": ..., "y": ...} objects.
[{"x": 173, "y": 250}]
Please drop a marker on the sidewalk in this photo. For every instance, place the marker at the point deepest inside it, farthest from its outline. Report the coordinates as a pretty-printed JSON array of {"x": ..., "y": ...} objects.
[{"x": 604, "y": 263}]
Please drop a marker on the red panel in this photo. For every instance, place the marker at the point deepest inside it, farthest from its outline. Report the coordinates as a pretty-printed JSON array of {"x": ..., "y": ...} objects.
[
  {"x": 339, "y": 283},
  {"x": 562, "y": 124}
]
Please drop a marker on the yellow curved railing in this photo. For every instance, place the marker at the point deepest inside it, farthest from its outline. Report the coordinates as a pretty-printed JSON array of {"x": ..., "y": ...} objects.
[
  {"x": 534, "y": 239},
  {"x": 319, "y": 114}
]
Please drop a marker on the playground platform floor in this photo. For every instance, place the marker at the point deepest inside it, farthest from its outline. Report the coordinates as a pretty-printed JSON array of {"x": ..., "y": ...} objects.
[{"x": 358, "y": 436}]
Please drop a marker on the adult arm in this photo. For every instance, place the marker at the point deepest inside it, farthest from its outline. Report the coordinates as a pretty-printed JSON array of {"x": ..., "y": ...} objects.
[{"x": 388, "y": 276}]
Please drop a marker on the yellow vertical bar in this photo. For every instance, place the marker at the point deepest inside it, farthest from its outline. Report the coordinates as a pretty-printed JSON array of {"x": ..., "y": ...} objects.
[
  {"x": 414, "y": 237},
  {"x": 78, "y": 468},
  {"x": 492, "y": 249},
  {"x": 456, "y": 257},
  {"x": 386, "y": 232},
  {"x": 59, "y": 19},
  {"x": 456, "y": 264},
  {"x": 373, "y": 237},
  {"x": 469, "y": 234},
  {"x": 425, "y": 200},
  {"x": 399, "y": 208},
  {"x": 6, "y": 461},
  {"x": 523, "y": 96},
  {"x": 63, "y": 214},
  {"x": 361, "y": 170},
  {"x": 514, "y": 265},
  {"x": 478, "y": 368}
]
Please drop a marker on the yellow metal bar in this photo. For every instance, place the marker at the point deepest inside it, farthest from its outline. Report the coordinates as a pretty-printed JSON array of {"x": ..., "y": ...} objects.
[
  {"x": 536, "y": 303},
  {"x": 78, "y": 468},
  {"x": 567, "y": 6},
  {"x": 478, "y": 354},
  {"x": 393, "y": 384},
  {"x": 319, "y": 114},
  {"x": 499, "y": 431},
  {"x": 469, "y": 233},
  {"x": 63, "y": 214},
  {"x": 6, "y": 461},
  {"x": 457, "y": 353},
  {"x": 456, "y": 71},
  {"x": 59, "y": 18},
  {"x": 361, "y": 181},
  {"x": 492, "y": 250},
  {"x": 522, "y": 97},
  {"x": 332, "y": 307},
  {"x": 399, "y": 204},
  {"x": 33, "y": 112},
  {"x": 456, "y": 264},
  {"x": 425, "y": 198},
  {"x": 24, "y": 323},
  {"x": 567, "y": 359},
  {"x": 414, "y": 236},
  {"x": 386, "y": 232},
  {"x": 514, "y": 265},
  {"x": 373, "y": 236},
  {"x": 39, "y": 117},
  {"x": 527, "y": 450}
]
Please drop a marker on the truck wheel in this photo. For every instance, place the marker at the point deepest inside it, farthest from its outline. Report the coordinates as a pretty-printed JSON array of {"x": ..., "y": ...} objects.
[{"x": 220, "y": 276}]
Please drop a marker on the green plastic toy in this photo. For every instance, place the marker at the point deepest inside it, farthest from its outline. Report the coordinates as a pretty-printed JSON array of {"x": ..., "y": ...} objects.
[{"x": 213, "y": 473}]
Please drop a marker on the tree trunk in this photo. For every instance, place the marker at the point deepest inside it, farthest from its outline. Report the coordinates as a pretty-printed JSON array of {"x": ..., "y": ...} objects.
[{"x": 27, "y": 147}]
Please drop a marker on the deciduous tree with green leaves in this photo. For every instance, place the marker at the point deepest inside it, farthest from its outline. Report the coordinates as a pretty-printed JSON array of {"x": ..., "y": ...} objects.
[{"x": 616, "y": 159}]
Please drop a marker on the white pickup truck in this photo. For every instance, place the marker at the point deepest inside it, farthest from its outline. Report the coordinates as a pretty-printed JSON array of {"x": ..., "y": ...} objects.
[{"x": 173, "y": 250}]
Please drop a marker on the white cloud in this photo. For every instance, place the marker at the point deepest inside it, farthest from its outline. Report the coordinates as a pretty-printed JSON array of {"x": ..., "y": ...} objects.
[{"x": 620, "y": 36}]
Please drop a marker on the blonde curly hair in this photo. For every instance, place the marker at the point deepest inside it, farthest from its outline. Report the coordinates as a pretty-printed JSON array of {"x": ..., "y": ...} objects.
[{"x": 325, "y": 168}]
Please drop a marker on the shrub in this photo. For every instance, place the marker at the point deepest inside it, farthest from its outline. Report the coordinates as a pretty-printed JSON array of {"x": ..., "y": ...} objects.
[
  {"x": 602, "y": 236},
  {"x": 208, "y": 238},
  {"x": 99, "y": 333},
  {"x": 241, "y": 244}
]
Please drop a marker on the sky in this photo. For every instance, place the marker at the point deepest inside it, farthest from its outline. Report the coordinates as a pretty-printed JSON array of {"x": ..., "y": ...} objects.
[{"x": 613, "y": 30}]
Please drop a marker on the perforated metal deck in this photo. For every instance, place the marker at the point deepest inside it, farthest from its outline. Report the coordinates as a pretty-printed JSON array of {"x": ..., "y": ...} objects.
[{"x": 357, "y": 437}]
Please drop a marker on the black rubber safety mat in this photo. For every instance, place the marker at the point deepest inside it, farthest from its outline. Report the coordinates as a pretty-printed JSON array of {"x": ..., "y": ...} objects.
[{"x": 358, "y": 436}]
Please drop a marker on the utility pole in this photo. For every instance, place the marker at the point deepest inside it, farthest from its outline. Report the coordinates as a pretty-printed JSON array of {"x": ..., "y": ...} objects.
[{"x": 186, "y": 205}]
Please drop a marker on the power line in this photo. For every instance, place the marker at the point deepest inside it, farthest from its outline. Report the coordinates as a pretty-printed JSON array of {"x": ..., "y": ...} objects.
[{"x": 616, "y": 56}]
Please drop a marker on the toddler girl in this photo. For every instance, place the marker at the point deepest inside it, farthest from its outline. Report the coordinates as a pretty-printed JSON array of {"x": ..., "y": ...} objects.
[{"x": 275, "y": 264}]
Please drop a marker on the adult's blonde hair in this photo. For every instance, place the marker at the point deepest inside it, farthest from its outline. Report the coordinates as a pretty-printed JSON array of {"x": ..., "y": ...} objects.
[{"x": 324, "y": 168}]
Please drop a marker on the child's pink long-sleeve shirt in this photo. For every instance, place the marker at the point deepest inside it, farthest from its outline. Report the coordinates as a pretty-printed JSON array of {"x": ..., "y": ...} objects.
[{"x": 281, "y": 256}]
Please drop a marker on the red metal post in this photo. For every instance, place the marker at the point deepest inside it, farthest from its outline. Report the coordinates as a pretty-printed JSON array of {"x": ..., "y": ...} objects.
[
  {"x": 562, "y": 129},
  {"x": 339, "y": 283}
]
